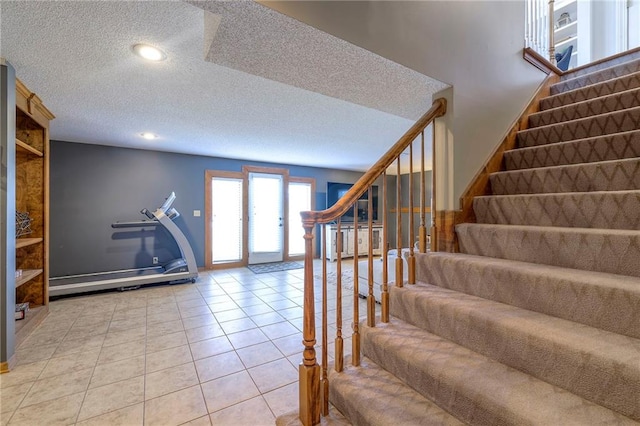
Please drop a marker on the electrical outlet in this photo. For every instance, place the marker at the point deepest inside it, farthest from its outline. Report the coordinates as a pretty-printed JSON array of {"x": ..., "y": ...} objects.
[{"x": 155, "y": 260}]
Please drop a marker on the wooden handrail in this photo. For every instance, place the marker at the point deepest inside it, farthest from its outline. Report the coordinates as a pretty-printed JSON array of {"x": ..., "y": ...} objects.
[
  {"x": 540, "y": 62},
  {"x": 438, "y": 109}
]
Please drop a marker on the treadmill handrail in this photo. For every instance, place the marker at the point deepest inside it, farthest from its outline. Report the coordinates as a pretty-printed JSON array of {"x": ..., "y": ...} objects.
[
  {"x": 168, "y": 202},
  {"x": 181, "y": 240},
  {"x": 135, "y": 224}
]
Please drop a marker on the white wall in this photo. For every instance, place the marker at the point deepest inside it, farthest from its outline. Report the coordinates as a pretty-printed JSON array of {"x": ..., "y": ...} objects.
[
  {"x": 634, "y": 23},
  {"x": 476, "y": 46},
  {"x": 607, "y": 37}
]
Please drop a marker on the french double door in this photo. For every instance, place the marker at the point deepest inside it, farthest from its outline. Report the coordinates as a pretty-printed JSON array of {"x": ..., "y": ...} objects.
[{"x": 253, "y": 216}]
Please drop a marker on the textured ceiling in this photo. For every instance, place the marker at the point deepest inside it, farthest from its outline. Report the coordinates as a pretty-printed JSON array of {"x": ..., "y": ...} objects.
[
  {"x": 249, "y": 37},
  {"x": 241, "y": 81}
]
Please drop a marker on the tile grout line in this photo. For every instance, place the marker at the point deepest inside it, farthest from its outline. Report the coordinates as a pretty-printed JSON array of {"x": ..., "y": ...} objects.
[{"x": 265, "y": 293}]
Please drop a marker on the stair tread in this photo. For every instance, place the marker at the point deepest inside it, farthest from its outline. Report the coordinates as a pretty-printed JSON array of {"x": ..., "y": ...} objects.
[
  {"x": 460, "y": 379},
  {"x": 560, "y": 194},
  {"x": 568, "y": 354},
  {"x": 539, "y": 128},
  {"x": 550, "y": 100},
  {"x": 570, "y": 166},
  {"x": 603, "y": 105},
  {"x": 603, "y": 279},
  {"x": 525, "y": 148},
  {"x": 601, "y": 70},
  {"x": 555, "y": 229},
  {"x": 587, "y": 150},
  {"x": 561, "y": 333},
  {"x": 608, "y": 175},
  {"x": 575, "y": 295},
  {"x": 596, "y": 75},
  {"x": 586, "y": 101},
  {"x": 590, "y": 249},
  {"x": 594, "y": 209},
  {"x": 387, "y": 399},
  {"x": 596, "y": 125}
]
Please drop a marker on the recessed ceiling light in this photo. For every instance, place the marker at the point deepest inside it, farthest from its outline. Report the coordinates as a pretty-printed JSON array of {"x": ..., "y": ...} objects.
[
  {"x": 149, "y": 52},
  {"x": 148, "y": 136}
]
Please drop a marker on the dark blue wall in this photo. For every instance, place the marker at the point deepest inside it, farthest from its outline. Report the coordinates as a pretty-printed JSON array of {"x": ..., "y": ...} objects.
[{"x": 93, "y": 186}]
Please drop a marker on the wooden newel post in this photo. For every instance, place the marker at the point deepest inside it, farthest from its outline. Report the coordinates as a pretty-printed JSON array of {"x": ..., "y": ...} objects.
[{"x": 309, "y": 369}]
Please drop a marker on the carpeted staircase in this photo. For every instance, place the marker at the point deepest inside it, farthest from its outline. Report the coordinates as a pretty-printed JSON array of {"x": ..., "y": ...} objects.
[{"x": 537, "y": 320}]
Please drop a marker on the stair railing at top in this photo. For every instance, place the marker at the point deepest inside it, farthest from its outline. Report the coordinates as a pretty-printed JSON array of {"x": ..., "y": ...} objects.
[
  {"x": 539, "y": 28},
  {"x": 314, "y": 383}
]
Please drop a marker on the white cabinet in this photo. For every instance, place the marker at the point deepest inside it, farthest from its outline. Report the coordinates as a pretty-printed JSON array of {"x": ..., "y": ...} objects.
[
  {"x": 362, "y": 244},
  {"x": 331, "y": 241},
  {"x": 349, "y": 243}
]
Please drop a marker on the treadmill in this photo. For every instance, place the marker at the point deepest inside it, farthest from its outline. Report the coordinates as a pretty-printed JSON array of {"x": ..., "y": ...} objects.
[{"x": 183, "y": 269}]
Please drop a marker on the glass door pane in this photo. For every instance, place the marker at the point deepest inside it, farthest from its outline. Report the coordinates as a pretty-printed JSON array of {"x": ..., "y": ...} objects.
[
  {"x": 299, "y": 200},
  {"x": 266, "y": 231},
  {"x": 226, "y": 218}
]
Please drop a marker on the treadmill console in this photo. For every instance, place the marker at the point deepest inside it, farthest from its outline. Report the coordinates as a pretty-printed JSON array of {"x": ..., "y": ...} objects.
[
  {"x": 165, "y": 207},
  {"x": 167, "y": 203}
]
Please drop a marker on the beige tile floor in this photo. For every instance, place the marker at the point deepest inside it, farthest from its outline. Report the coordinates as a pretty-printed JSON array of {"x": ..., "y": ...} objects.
[{"x": 223, "y": 351}]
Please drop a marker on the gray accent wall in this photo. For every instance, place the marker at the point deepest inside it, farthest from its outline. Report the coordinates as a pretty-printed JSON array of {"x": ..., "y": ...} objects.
[{"x": 93, "y": 186}]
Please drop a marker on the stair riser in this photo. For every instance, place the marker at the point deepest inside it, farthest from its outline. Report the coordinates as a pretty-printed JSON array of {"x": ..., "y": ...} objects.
[
  {"x": 607, "y": 176},
  {"x": 596, "y": 77},
  {"x": 601, "y": 66},
  {"x": 614, "y": 253},
  {"x": 614, "y": 147},
  {"x": 369, "y": 395},
  {"x": 631, "y": 81},
  {"x": 440, "y": 377},
  {"x": 607, "y": 210},
  {"x": 616, "y": 102},
  {"x": 517, "y": 344},
  {"x": 434, "y": 384},
  {"x": 616, "y": 122},
  {"x": 574, "y": 297}
]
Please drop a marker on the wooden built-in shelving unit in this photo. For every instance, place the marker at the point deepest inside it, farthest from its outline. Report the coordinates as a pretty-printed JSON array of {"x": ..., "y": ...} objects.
[
  {"x": 32, "y": 197},
  {"x": 27, "y": 148},
  {"x": 27, "y": 275},
  {"x": 24, "y": 242}
]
